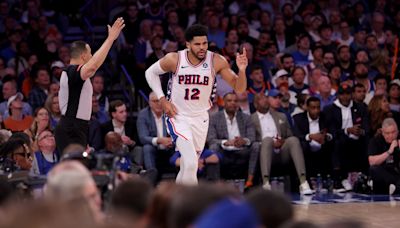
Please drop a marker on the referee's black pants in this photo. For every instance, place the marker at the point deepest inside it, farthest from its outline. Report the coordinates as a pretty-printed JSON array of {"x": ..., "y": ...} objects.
[{"x": 71, "y": 130}]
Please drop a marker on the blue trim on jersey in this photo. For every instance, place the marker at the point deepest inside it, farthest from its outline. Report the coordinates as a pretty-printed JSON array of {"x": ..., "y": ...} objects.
[{"x": 171, "y": 129}]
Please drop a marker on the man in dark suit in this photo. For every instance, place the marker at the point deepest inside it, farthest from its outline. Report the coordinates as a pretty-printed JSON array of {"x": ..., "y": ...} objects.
[
  {"x": 121, "y": 124},
  {"x": 311, "y": 128},
  {"x": 276, "y": 138},
  {"x": 153, "y": 134},
  {"x": 232, "y": 134},
  {"x": 348, "y": 122}
]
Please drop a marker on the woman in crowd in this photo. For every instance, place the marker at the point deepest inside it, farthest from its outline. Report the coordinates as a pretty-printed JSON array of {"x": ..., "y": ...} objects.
[
  {"x": 40, "y": 123},
  {"x": 54, "y": 108},
  {"x": 378, "y": 110}
]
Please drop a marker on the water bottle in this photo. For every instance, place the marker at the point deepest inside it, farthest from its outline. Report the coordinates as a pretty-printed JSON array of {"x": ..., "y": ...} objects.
[
  {"x": 319, "y": 183},
  {"x": 329, "y": 183},
  {"x": 281, "y": 185},
  {"x": 274, "y": 184}
]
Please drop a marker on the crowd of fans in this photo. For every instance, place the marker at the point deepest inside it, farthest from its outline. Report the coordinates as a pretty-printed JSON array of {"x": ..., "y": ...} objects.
[{"x": 323, "y": 94}]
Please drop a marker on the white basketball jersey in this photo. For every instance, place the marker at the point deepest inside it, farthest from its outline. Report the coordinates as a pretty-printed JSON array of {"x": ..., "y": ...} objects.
[{"x": 192, "y": 87}]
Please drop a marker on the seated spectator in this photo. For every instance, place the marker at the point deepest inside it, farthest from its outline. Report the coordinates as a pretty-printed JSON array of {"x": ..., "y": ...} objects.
[
  {"x": 54, "y": 109},
  {"x": 256, "y": 85},
  {"x": 301, "y": 103},
  {"x": 348, "y": 122},
  {"x": 359, "y": 94},
  {"x": 381, "y": 85},
  {"x": 10, "y": 89},
  {"x": 208, "y": 167},
  {"x": 311, "y": 127},
  {"x": 69, "y": 181},
  {"x": 40, "y": 123},
  {"x": 298, "y": 77},
  {"x": 361, "y": 76},
  {"x": 37, "y": 96},
  {"x": 383, "y": 151},
  {"x": 231, "y": 133},
  {"x": 275, "y": 135},
  {"x": 157, "y": 144},
  {"x": 98, "y": 92},
  {"x": 302, "y": 55},
  {"x": 97, "y": 114},
  {"x": 393, "y": 95},
  {"x": 114, "y": 147},
  {"x": 378, "y": 110},
  {"x": 17, "y": 121},
  {"x": 17, "y": 158},
  {"x": 287, "y": 101},
  {"x": 46, "y": 157},
  {"x": 243, "y": 102},
  {"x": 335, "y": 75},
  {"x": 264, "y": 203},
  {"x": 282, "y": 76},
  {"x": 325, "y": 92}
]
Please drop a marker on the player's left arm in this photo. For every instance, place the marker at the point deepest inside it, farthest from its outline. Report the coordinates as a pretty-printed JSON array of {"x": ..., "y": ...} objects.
[{"x": 237, "y": 81}]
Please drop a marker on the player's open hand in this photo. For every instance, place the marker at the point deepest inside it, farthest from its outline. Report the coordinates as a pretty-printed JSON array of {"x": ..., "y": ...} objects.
[
  {"x": 168, "y": 107},
  {"x": 115, "y": 29},
  {"x": 241, "y": 60}
]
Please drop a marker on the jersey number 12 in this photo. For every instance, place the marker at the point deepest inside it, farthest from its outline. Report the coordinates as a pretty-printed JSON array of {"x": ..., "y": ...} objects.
[{"x": 195, "y": 94}]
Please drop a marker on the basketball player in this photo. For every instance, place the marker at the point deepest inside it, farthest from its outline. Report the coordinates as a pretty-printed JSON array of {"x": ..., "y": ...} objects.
[{"x": 190, "y": 93}]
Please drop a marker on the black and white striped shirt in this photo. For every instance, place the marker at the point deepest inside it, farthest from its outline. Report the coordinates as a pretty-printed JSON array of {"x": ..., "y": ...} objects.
[{"x": 75, "y": 96}]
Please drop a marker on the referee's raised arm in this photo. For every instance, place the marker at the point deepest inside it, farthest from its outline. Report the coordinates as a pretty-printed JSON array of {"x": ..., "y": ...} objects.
[{"x": 98, "y": 58}]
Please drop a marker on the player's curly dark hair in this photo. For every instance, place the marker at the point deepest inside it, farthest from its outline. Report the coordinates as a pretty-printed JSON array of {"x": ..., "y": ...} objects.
[{"x": 195, "y": 30}]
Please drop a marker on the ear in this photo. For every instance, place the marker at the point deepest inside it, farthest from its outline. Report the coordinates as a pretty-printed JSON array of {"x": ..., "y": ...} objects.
[{"x": 187, "y": 44}]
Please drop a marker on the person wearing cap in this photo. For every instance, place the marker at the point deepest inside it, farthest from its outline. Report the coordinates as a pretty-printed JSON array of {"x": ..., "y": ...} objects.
[
  {"x": 349, "y": 125},
  {"x": 281, "y": 76},
  {"x": 56, "y": 70},
  {"x": 394, "y": 95},
  {"x": 275, "y": 137},
  {"x": 10, "y": 89},
  {"x": 75, "y": 96},
  {"x": 231, "y": 133},
  {"x": 17, "y": 121}
]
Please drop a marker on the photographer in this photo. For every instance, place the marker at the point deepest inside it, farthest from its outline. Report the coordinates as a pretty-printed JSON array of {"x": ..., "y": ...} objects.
[{"x": 383, "y": 158}]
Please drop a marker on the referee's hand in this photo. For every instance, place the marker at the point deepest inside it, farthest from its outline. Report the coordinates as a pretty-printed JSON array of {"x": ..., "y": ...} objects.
[{"x": 115, "y": 30}]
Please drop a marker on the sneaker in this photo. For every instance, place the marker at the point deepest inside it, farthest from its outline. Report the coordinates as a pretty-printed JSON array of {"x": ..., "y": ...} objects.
[
  {"x": 267, "y": 186},
  {"x": 392, "y": 189},
  {"x": 305, "y": 189},
  {"x": 346, "y": 185}
]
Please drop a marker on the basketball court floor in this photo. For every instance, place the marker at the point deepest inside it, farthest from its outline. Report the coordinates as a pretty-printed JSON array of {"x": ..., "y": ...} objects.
[{"x": 375, "y": 211}]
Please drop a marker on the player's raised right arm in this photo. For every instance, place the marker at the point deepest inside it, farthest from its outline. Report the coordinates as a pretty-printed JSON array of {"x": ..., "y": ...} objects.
[{"x": 162, "y": 66}]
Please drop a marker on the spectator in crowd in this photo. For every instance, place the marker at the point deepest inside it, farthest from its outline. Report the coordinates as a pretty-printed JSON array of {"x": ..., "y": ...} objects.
[
  {"x": 383, "y": 151},
  {"x": 231, "y": 133},
  {"x": 328, "y": 60},
  {"x": 17, "y": 158},
  {"x": 97, "y": 114},
  {"x": 52, "y": 105},
  {"x": 325, "y": 92},
  {"x": 345, "y": 37},
  {"x": 257, "y": 84},
  {"x": 69, "y": 181},
  {"x": 46, "y": 157},
  {"x": 275, "y": 135},
  {"x": 393, "y": 95},
  {"x": 344, "y": 59},
  {"x": 381, "y": 84},
  {"x": 335, "y": 75},
  {"x": 298, "y": 77},
  {"x": 348, "y": 122},
  {"x": 41, "y": 122},
  {"x": 301, "y": 103},
  {"x": 17, "y": 121},
  {"x": 325, "y": 32},
  {"x": 114, "y": 148},
  {"x": 361, "y": 76},
  {"x": 98, "y": 91},
  {"x": 302, "y": 55},
  {"x": 359, "y": 94},
  {"x": 41, "y": 77},
  {"x": 157, "y": 144},
  {"x": 264, "y": 204},
  {"x": 121, "y": 124},
  {"x": 360, "y": 33},
  {"x": 312, "y": 129},
  {"x": 378, "y": 110},
  {"x": 10, "y": 89},
  {"x": 280, "y": 37}
]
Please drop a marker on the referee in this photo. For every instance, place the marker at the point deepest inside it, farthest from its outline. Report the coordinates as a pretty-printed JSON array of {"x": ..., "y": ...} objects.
[{"x": 75, "y": 96}]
